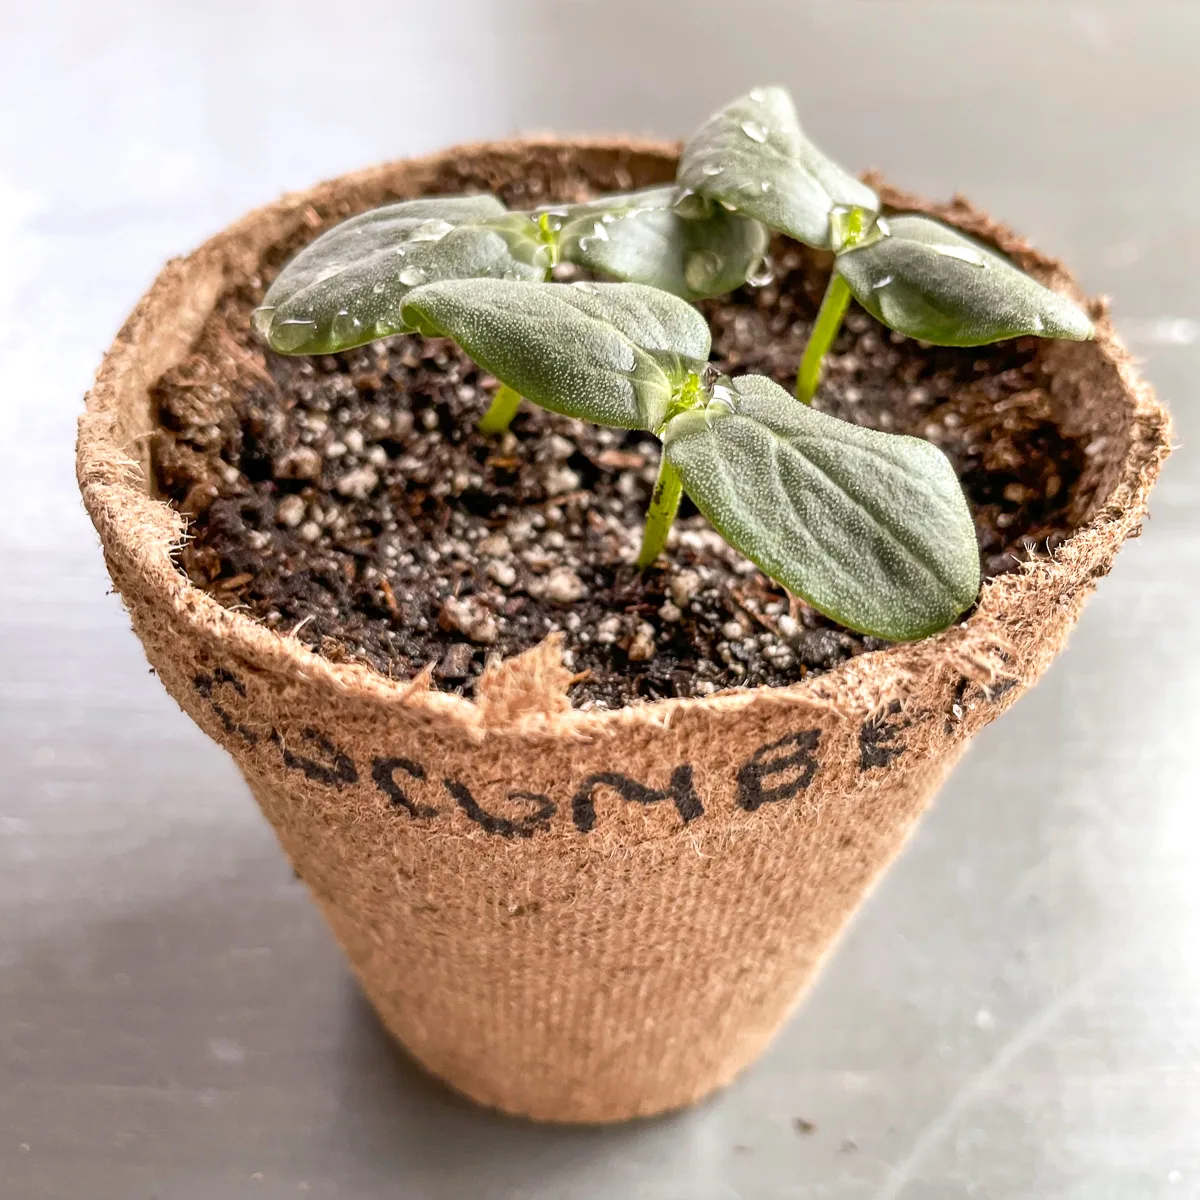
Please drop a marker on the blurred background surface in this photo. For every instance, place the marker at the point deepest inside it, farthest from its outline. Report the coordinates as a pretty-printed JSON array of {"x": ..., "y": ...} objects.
[{"x": 1017, "y": 1011}]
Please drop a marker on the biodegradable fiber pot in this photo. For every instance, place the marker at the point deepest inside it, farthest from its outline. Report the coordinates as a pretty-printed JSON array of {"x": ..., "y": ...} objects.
[{"x": 584, "y": 916}]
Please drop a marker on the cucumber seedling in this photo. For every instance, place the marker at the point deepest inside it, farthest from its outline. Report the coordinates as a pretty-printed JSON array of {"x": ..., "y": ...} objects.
[
  {"x": 349, "y": 286},
  {"x": 871, "y": 529},
  {"x": 918, "y": 276}
]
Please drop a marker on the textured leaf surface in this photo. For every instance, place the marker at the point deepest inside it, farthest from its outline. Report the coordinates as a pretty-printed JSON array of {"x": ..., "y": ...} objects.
[
  {"x": 642, "y": 238},
  {"x": 609, "y": 352},
  {"x": 871, "y": 528},
  {"x": 931, "y": 282},
  {"x": 348, "y": 286},
  {"x": 754, "y": 155}
]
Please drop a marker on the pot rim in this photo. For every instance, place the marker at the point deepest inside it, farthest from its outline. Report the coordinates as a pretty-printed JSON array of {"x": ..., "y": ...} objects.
[{"x": 528, "y": 692}]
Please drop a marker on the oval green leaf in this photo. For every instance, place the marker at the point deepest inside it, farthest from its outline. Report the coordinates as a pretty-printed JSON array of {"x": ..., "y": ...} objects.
[
  {"x": 753, "y": 156},
  {"x": 348, "y": 286},
  {"x": 612, "y": 353},
  {"x": 931, "y": 282},
  {"x": 870, "y": 528},
  {"x": 643, "y": 238}
]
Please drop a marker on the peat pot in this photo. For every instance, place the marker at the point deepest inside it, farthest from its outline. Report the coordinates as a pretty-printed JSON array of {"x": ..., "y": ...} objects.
[{"x": 568, "y": 915}]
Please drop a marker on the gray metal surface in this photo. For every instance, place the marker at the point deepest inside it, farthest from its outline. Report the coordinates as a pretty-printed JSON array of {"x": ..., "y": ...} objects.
[{"x": 1016, "y": 1013}]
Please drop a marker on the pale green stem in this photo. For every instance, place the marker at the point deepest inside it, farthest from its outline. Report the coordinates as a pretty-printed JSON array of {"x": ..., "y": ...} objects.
[
  {"x": 664, "y": 504},
  {"x": 503, "y": 408},
  {"x": 824, "y": 330}
]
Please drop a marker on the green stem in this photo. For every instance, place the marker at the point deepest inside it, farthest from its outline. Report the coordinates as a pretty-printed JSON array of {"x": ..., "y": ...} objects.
[
  {"x": 503, "y": 408},
  {"x": 824, "y": 330},
  {"x": 664, "y": 504}
]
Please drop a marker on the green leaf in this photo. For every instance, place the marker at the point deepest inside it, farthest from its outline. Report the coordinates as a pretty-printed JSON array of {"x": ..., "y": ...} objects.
[
  {"x": 643, "y": 238},
  {"x": 754, "y": 156},
  {"x": 612, "y": 353},
  {"x": 931, "y": 282},
  {"x": 871, "y": 528},
  {"x": 348, "y": 286}
]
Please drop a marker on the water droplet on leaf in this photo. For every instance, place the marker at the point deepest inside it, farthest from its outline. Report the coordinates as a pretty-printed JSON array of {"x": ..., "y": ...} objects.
[
  {"x": 345, "y": 327},
  {"x": 881, "y": 283},
  {"x": 962, "y": 253},
  {"x": 710, "y": 169},
  {"x": 691, "y": 205},
  {"x": 292, "y": 334},
  {"x": 261, "y": 318},
  {"x": 722, "y": 394},
  {"x": 430, "y": 231},
  {"x": 412, "y": 276},
  {"x": 754, "y": 131},
  {"x": 701, "y": 268},
  {"x": 761, "y": 273}
]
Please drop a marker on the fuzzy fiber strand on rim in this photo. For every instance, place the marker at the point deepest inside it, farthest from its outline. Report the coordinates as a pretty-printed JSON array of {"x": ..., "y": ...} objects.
[{"x": 584, "y": 916}]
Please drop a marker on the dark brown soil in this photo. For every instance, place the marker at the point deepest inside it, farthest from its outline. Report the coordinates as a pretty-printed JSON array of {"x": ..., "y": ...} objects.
[{"x": 349, "y": 500}]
